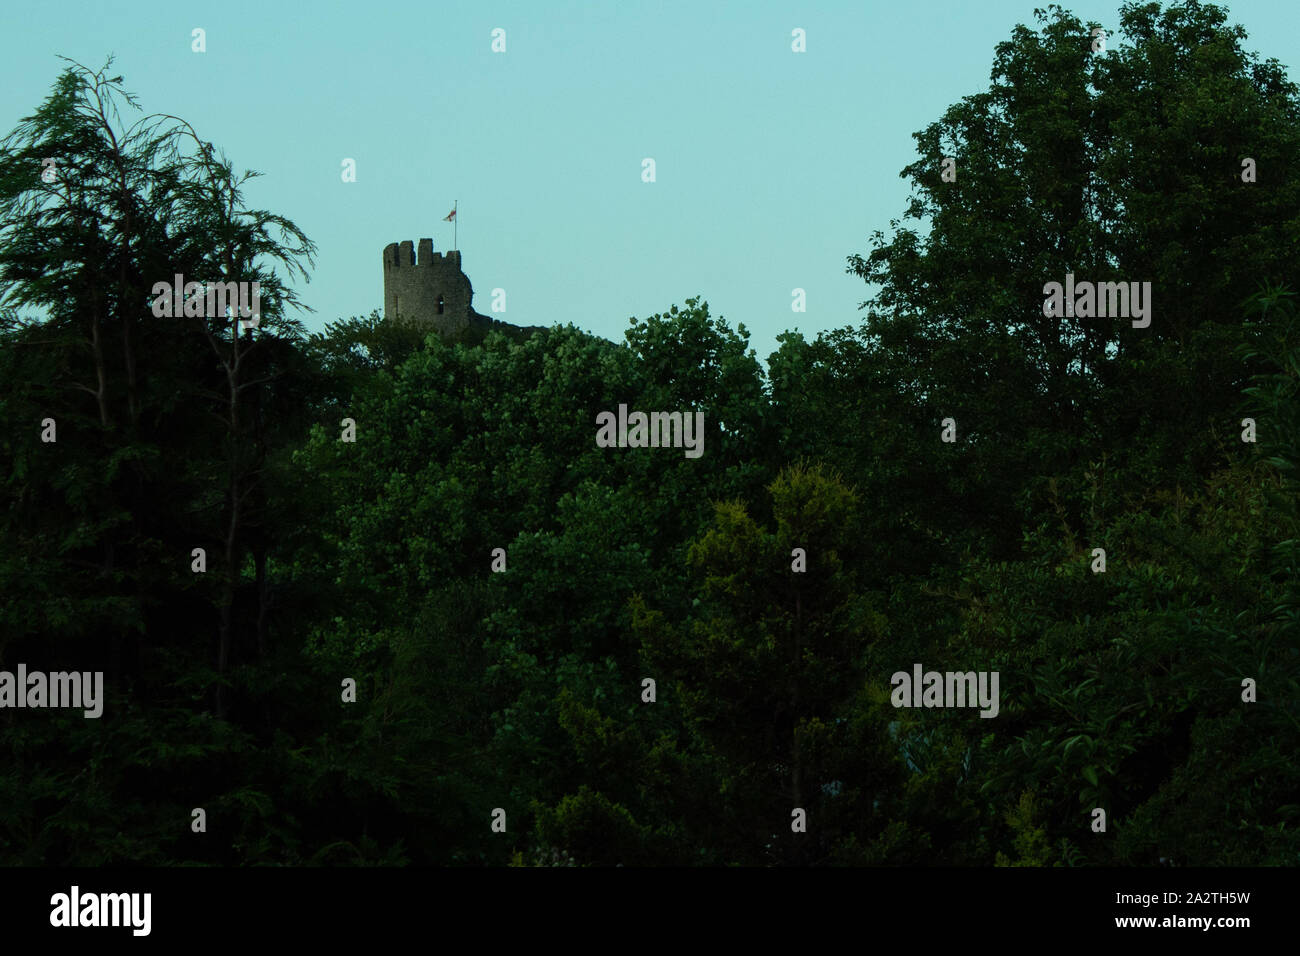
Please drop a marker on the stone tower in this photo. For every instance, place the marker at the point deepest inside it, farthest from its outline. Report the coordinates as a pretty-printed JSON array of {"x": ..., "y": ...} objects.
[{"x": 432, "y": 290}]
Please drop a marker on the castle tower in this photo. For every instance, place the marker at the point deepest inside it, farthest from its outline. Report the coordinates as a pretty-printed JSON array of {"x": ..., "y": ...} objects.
[{"x": 432, "y": 290}]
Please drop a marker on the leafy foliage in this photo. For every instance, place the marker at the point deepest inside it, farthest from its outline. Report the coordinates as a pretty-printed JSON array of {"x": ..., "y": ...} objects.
[{"x": 524, "y": 689}]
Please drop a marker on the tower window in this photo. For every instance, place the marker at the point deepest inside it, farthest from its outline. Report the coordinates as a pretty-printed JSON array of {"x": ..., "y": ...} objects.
[{"x": 440, "y": 305}]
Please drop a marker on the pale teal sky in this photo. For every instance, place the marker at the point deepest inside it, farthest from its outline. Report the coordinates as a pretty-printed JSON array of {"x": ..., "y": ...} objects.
[{"x": 772, "y": 166}]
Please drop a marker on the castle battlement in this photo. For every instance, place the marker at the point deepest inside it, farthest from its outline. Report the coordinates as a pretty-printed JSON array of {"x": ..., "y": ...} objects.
[
  {"x": 430, "y": 290},
  {"x": 403, "y": 254}
]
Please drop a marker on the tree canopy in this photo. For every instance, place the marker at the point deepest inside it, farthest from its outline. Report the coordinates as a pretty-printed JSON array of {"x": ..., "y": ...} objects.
[{"x": 643, "y": 657}]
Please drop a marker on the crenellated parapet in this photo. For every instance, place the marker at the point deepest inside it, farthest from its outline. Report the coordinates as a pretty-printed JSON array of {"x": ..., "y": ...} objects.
[
  {"x": 399, "y": 254},
  {"x": 425, "y": 286}
]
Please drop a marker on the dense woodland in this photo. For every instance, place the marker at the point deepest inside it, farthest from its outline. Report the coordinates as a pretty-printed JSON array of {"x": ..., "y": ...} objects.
[{"x": 522, "y": 690}]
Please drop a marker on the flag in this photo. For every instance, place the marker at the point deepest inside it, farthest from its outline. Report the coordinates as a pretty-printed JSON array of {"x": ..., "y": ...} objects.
[{"x": 450, "y": 216}]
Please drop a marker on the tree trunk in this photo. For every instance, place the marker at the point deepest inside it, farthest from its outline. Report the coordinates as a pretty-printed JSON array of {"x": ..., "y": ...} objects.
[
  {"x": 262, "y": 599},
  {"x": 796, "y": 751},
  {"x": 101, "y": 376},
  {"x": 231, "y": 552}
]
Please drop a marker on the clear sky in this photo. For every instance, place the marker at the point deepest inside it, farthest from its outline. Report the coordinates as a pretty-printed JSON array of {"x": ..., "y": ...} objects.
[{"x": 772, "y": 167}]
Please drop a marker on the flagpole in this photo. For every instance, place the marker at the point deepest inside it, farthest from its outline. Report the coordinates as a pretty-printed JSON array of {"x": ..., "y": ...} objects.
[{"x": 455, "y": 224}]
